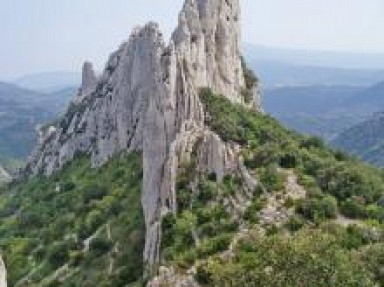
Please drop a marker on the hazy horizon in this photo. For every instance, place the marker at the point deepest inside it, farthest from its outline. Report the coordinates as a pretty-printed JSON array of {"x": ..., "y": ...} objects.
[{"x": 42, "y": 35}]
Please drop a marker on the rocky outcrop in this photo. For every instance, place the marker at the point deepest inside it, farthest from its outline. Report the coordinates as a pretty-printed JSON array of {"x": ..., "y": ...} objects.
[
  {"x": 89, "y": 81},
  {"x": 147, "y": 99},
  {"x": 168, "y": 277},
  {"x": 3, "y": 274}
]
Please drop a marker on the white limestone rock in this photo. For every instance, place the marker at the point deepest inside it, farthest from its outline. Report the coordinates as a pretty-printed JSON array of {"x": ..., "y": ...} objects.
[
  {"x": 168, "y": 277},
  {"x": 147, "y": 99},
  {"x": 89, "y": 80}
]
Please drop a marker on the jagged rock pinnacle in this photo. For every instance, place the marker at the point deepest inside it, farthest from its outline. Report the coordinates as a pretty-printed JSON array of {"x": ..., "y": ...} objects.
[
  {"x": 89, "y": 80},
  {"x": 147, "y": 99}
]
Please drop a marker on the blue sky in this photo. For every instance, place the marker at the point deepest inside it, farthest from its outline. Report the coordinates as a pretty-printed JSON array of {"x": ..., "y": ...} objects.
[{"x": 49, "y": 35}]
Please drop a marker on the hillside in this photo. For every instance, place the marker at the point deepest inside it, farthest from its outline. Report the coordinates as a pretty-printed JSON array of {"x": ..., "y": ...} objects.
[
  {"x": 164, "y": 171},
  {"x": 369, "y": 97},
  {"x": 324, "y": 111},
  {"x": 55, "y": 232},
  {"x": 76, "y": 225},
  {"x": 365, "y": 140},
  {"x": 20, "y": 111}
]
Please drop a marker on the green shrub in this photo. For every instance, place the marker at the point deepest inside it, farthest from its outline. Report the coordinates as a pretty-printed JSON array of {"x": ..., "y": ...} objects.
[
  {"x": 380, "y": 202},
  {"x": 68, "y": 186},
  {"x": 288, "y": 160},
  {"x": 353, "y": 208},
  {"x": 203, "y": 275},
  {"x": 94, "y": 192},
  {"x": 75, "y": 258},
  {"x": 251, "y": 213},
  {"x": 168, "y": 223},
  {"x": 295, "y": 223},
  {"x": 99, "y": 246},
  {"x": 263, "y": 156},
  {"x": 58, "y": 254},
  {"x": 272, "y": 179},
  {"x": 375, "y": 212},
  {"x": 207, "y": 191},
  {"x": 317, "y": 210},
  {"x": 313, "y": 142},
  {"x": 250, "y": 79},
  {"x": 214, "y": 245},
  {"x": 231, "y": 185}
]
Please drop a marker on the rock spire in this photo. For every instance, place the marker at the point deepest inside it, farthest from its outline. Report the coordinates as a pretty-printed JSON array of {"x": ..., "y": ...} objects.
[{"x": 147, "y": 99}]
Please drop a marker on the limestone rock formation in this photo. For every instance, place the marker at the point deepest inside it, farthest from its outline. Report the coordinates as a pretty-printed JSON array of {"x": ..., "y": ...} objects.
[
  {"x": 89, "y": 80},
  {"x": 3, "y": 274},
  {"x": 147, "y": 99},
  {"x": 168, "y": 277}
]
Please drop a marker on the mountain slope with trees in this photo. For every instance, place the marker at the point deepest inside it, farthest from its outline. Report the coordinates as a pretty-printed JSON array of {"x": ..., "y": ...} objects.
[
  {"x": 164, "y": 171},
  {"x": 21, "y": 110},
  {"x": 365, "y": 140},
  {"x": 324, "y": 111},
  {"x": 225, "y": 232}
]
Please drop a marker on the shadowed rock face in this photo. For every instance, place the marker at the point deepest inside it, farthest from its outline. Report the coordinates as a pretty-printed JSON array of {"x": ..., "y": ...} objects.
[{"x": 147, "y": 100}]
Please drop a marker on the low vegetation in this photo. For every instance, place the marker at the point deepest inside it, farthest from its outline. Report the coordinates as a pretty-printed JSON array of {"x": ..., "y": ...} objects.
[
  {"x": 330, "y": 239},
  {"x": 84, "y": 219},
  {"x": 86, "y": 226}
]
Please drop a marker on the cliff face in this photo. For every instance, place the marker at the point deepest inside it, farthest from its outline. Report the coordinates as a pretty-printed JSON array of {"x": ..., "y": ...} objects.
[{"x": 147, "y": 99}]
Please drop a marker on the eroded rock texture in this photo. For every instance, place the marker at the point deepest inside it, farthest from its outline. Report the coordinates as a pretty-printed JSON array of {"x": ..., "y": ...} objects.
[{"x": 147, "y": 99}]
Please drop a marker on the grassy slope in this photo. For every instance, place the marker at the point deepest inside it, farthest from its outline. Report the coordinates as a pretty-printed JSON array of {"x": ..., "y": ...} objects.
[
  {"x": 309, "y": 249},
  {"x": 44, "y": 224}
]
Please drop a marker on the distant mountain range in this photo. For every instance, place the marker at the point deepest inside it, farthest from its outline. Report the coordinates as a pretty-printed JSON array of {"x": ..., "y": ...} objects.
[
  {"x": 325, "y": 111},
  {"x": 49, "y": 81},
  {"x": 365, "y": 140},
  {"x": 288, "y": 67},
  {"x": 20, "y": 111}
]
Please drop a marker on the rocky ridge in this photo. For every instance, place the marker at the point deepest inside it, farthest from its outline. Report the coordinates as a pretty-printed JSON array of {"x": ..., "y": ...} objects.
[{"x": 147, "y": 99}]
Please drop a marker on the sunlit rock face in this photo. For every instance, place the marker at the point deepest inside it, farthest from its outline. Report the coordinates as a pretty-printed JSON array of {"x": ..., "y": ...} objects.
[{"x": 147, "y": 99}]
